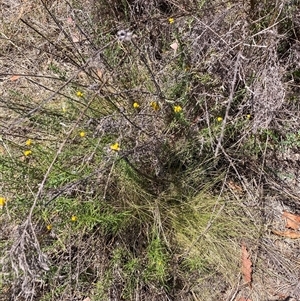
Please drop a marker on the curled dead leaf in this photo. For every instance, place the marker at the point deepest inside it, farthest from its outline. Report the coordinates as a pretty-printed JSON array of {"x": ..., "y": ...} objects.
[
  {"x": 292, "y": 221},
  {"x": 287, "y": 233}
]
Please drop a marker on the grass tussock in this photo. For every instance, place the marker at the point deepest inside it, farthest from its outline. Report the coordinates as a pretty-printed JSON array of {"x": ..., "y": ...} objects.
[{"x": 142, "y": 143}]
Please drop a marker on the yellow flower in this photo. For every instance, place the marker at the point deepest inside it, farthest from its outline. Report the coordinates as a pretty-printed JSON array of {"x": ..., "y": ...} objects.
[
  {"x": 248, "y": 116},
  {"x": 49, "y": 227},
  {"x": 2, "y": 201},
  {"x": 73, "y": 218},
  {"x": 82, "y": 134},
  {"x": 171, "y": 20},
  {"x": 79, "y": 94},
  {"x": 27, "y": 153},
  {"x": 28, "y": 142},
  {"x": 154, "y": 105},
  {"x": 115, "y": 147},
  {"x": 177, "y": 109},
  {"x": 136, "y": 105},
  {"x": 219, "y": 119}
]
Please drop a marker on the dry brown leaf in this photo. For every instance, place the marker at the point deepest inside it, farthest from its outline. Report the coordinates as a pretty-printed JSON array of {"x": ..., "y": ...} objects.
[
  {"x": 99, "y": 73},
  {"x": 87, "y": 299},
  {"x": 2, "y": 150},
  {"x": 14, "y": 78},
  {"x": 292, "y": 220},
  {"x": 174, "y": 46},
  {"x": 243, "y": 299},
  {"x": 246, "y": 265},
  {"x": 287, "y": 233},
  {"x": 70, "y": 21},
  {"x": 75, "y": 37},
  {"x": 235, "y": 187}
]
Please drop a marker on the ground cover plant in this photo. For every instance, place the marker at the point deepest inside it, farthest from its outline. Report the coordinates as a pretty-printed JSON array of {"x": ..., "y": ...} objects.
[{"x": 149, "y": 150}]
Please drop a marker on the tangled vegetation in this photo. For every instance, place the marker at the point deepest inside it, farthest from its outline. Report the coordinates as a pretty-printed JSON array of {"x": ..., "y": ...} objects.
[{"x": 143, "y": 143}]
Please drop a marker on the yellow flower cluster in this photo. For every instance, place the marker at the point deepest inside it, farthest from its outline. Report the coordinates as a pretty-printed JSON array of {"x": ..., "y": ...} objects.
[
  {"x": 2, "y": 202},
  {"x": 115, "y": 147},
  {"x": 136, "y": 105},
  {"x": 79, "y": 94},
  {"x": 82, "y": 134},
  {"x": 28, "y": 152},
  {"x": 219, "y": 119},
  {"x": 177, "y": 109},
  {"x": 171, "y": 20},
  {"x": 74, "y": 218},
  {"x": 154, "y": 105}
]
